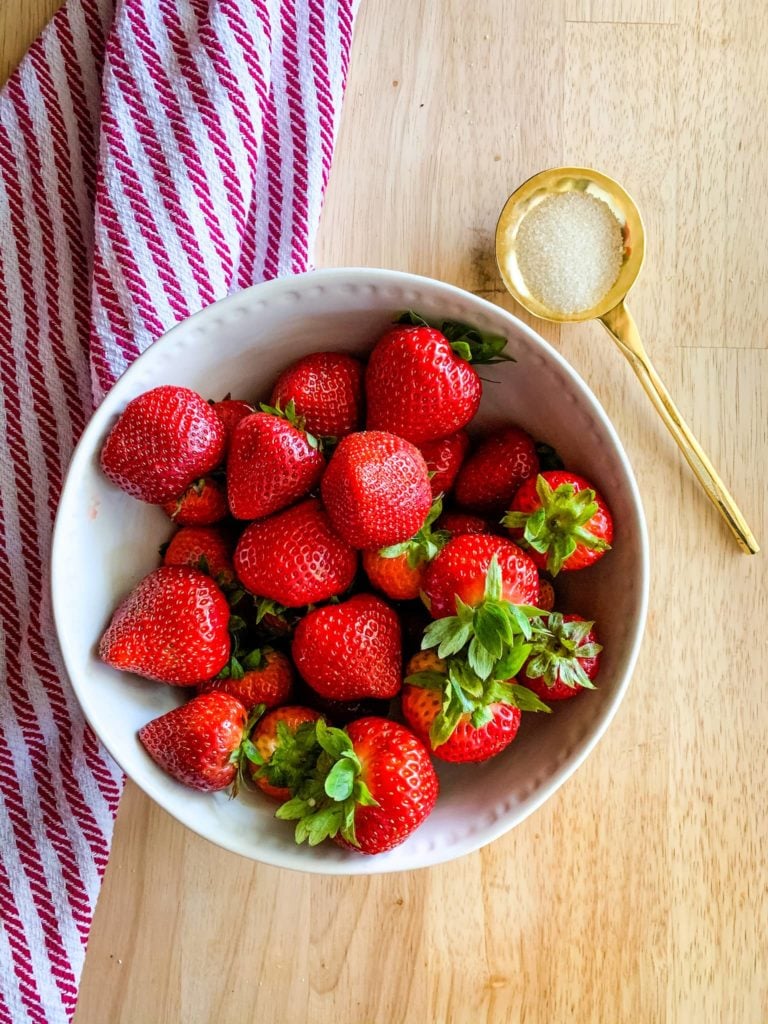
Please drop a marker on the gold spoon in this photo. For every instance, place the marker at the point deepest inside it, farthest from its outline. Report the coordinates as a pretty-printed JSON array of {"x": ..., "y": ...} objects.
[{"x": 611, "y": 311}]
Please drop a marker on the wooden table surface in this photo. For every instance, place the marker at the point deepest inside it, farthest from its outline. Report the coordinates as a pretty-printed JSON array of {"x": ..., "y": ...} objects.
[{"x": 638, "y": 892}]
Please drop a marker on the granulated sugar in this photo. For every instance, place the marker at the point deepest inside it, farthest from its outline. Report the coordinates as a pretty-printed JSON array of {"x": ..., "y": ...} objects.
[{"x": 569, "y": 250}]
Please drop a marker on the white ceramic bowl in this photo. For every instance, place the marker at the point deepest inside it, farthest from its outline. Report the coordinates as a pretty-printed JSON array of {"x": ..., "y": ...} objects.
[{"x": 239, "y": 345}]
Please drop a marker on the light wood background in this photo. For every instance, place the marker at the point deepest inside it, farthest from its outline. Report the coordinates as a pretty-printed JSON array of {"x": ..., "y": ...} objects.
[{"x": 637, "y": 894}]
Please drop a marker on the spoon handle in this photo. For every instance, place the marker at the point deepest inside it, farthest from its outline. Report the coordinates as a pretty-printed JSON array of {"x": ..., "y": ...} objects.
[{"x": 622, "y": 328}]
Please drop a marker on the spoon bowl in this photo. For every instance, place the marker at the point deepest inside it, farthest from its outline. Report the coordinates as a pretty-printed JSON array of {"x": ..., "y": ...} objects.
[{"x": 551, "y": 182}]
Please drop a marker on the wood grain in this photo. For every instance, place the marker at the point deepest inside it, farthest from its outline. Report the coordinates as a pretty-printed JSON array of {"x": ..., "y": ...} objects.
[
  {"x": 20, "y": 24},
  {"x": 634, "y": 12},
  {"x": 636, "y": 895}
]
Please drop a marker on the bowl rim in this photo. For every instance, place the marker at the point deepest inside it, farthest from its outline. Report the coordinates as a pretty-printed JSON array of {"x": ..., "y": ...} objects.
[{"x": 88, "y": 444}]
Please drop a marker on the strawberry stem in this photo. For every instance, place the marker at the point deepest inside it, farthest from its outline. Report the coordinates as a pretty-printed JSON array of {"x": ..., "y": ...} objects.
[
  {"x": 325, "y": 803},
  {"x": 465, "y": 693},
  {"x": 470, "y": 343},
  {"x": 293, "y": 758},
  {"x": 491, "y": 633},
  {"x": 246, "y": 751},
  {"x": 559, "y": 525},
  {"x": 291, "y": 416},
  {"x": 556, "y": 656},
  {"x": 425, "y": 544}
]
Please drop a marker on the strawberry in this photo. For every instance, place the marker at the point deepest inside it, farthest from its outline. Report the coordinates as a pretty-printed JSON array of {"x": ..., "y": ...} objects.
[
  {"x": 459, "y": 571},
  {"x": 372, "y": 785},
  {"x": 467, "y": 743},
  {"x": 199, "y": 742},
  {"x": 172, "y": 627},
  {"x": 419, "y": 382},
  {"x": 351, "y": 650},
  {"x": 204, "y": 548},
  {"x": 376, "y": 490},
  {"x": 493, "y": 472},
  {"x": 230, "y": 411},
  {"x": 417, "y": 387},
  {"x": 327, "y": 390},
  {"x": 562, "y": 520},
  {"x": 489, "y": 585},
  {"x": 283, "y": 750},
  {"x": 203, "y": 503},
  {"x": 462, "y": 718},
  {"x": 396, "y": 577},
  {"x": 398, "y": 570},
  {"x": 565, "y": 662},
  {"x": 546, "y": 595},
  {"x": 444, "y": 458},
  {"x": 456, "y": 523},
  {"x": 295, "y": 557},
  {"x": 263, "y": 677},
  {"x": 163, "y": 441},
  {"x": 272, "y": 462}
]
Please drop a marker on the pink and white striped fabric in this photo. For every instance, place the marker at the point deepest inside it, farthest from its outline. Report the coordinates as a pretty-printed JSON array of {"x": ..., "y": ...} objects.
[{"x": 154, "y": 156}]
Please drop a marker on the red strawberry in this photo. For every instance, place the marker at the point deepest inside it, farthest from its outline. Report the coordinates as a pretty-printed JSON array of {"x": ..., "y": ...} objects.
[
  {"x": 376, "y": 490},
  {"x": 456, "y": 523},
  {"x": 396, "y": 577},
  {"x": 444, "y": 458},
  {"x": 481, "y": 591},
  {"x": 202, "y": 547},
  {"x": 494, "y": 471},
  {"x": 351, "y": 650},
  {"x": 172, "y": 627},
  {"x": 472, "y": 727},
  {"x": 398, "y": 570},
  {"x": 564, "y": 662},
  {"x": 203, "y": 503},
  {"x": 163, "y": 441},
  {"x": 230, "y": 411},
  {"x": 546, "y": 595},
  {"x": 327, "y": 390},
  {"x": 416, "y": 386},
  {"x": 283, "y": 750},
  {"x": 459, "y": 571},
  {"x": 198, "y": 743},
  {"x": 271, "y": 463},
  {"x": 562, "y": 520},
  {"x": 372, "y": 786},
  {"x": 295, "y": 558},
  {"x": 263, "y": 677},
  {"x": 421, "y": 708}
]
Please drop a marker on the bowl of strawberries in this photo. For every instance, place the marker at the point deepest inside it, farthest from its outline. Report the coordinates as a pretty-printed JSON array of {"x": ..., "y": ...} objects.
[{"x": 367, "y": 572}]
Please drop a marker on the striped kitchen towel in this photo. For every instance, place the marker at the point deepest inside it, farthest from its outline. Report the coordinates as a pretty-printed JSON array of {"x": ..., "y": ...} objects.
[{"x": 154, "y": 156}]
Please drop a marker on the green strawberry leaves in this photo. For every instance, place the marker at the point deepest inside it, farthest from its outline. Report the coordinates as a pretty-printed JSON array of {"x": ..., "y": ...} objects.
[
  {"x": 265, "y": 606},
  {"x": 512, "y": 660},
  {"x": 464, "y": 692},
  {"x": 254, "y": 660},
  {"x": 292, "y": 759},
  {"x": 246, "y": 751},
  {"x": 411, "y": 319},
  {"x": 325, "y": 802},
  {"x": 484, "y": 647},
  {"x": 469, "y": 343},
  {"x": 559, "y": 525},
  {"x": 558, "y": 655},
  {"x": 425, "y": 544},
  {"x": 291, "y": 416},
  {"x": 492, "y": 630},
  {"x": 505, "y": 692}
]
